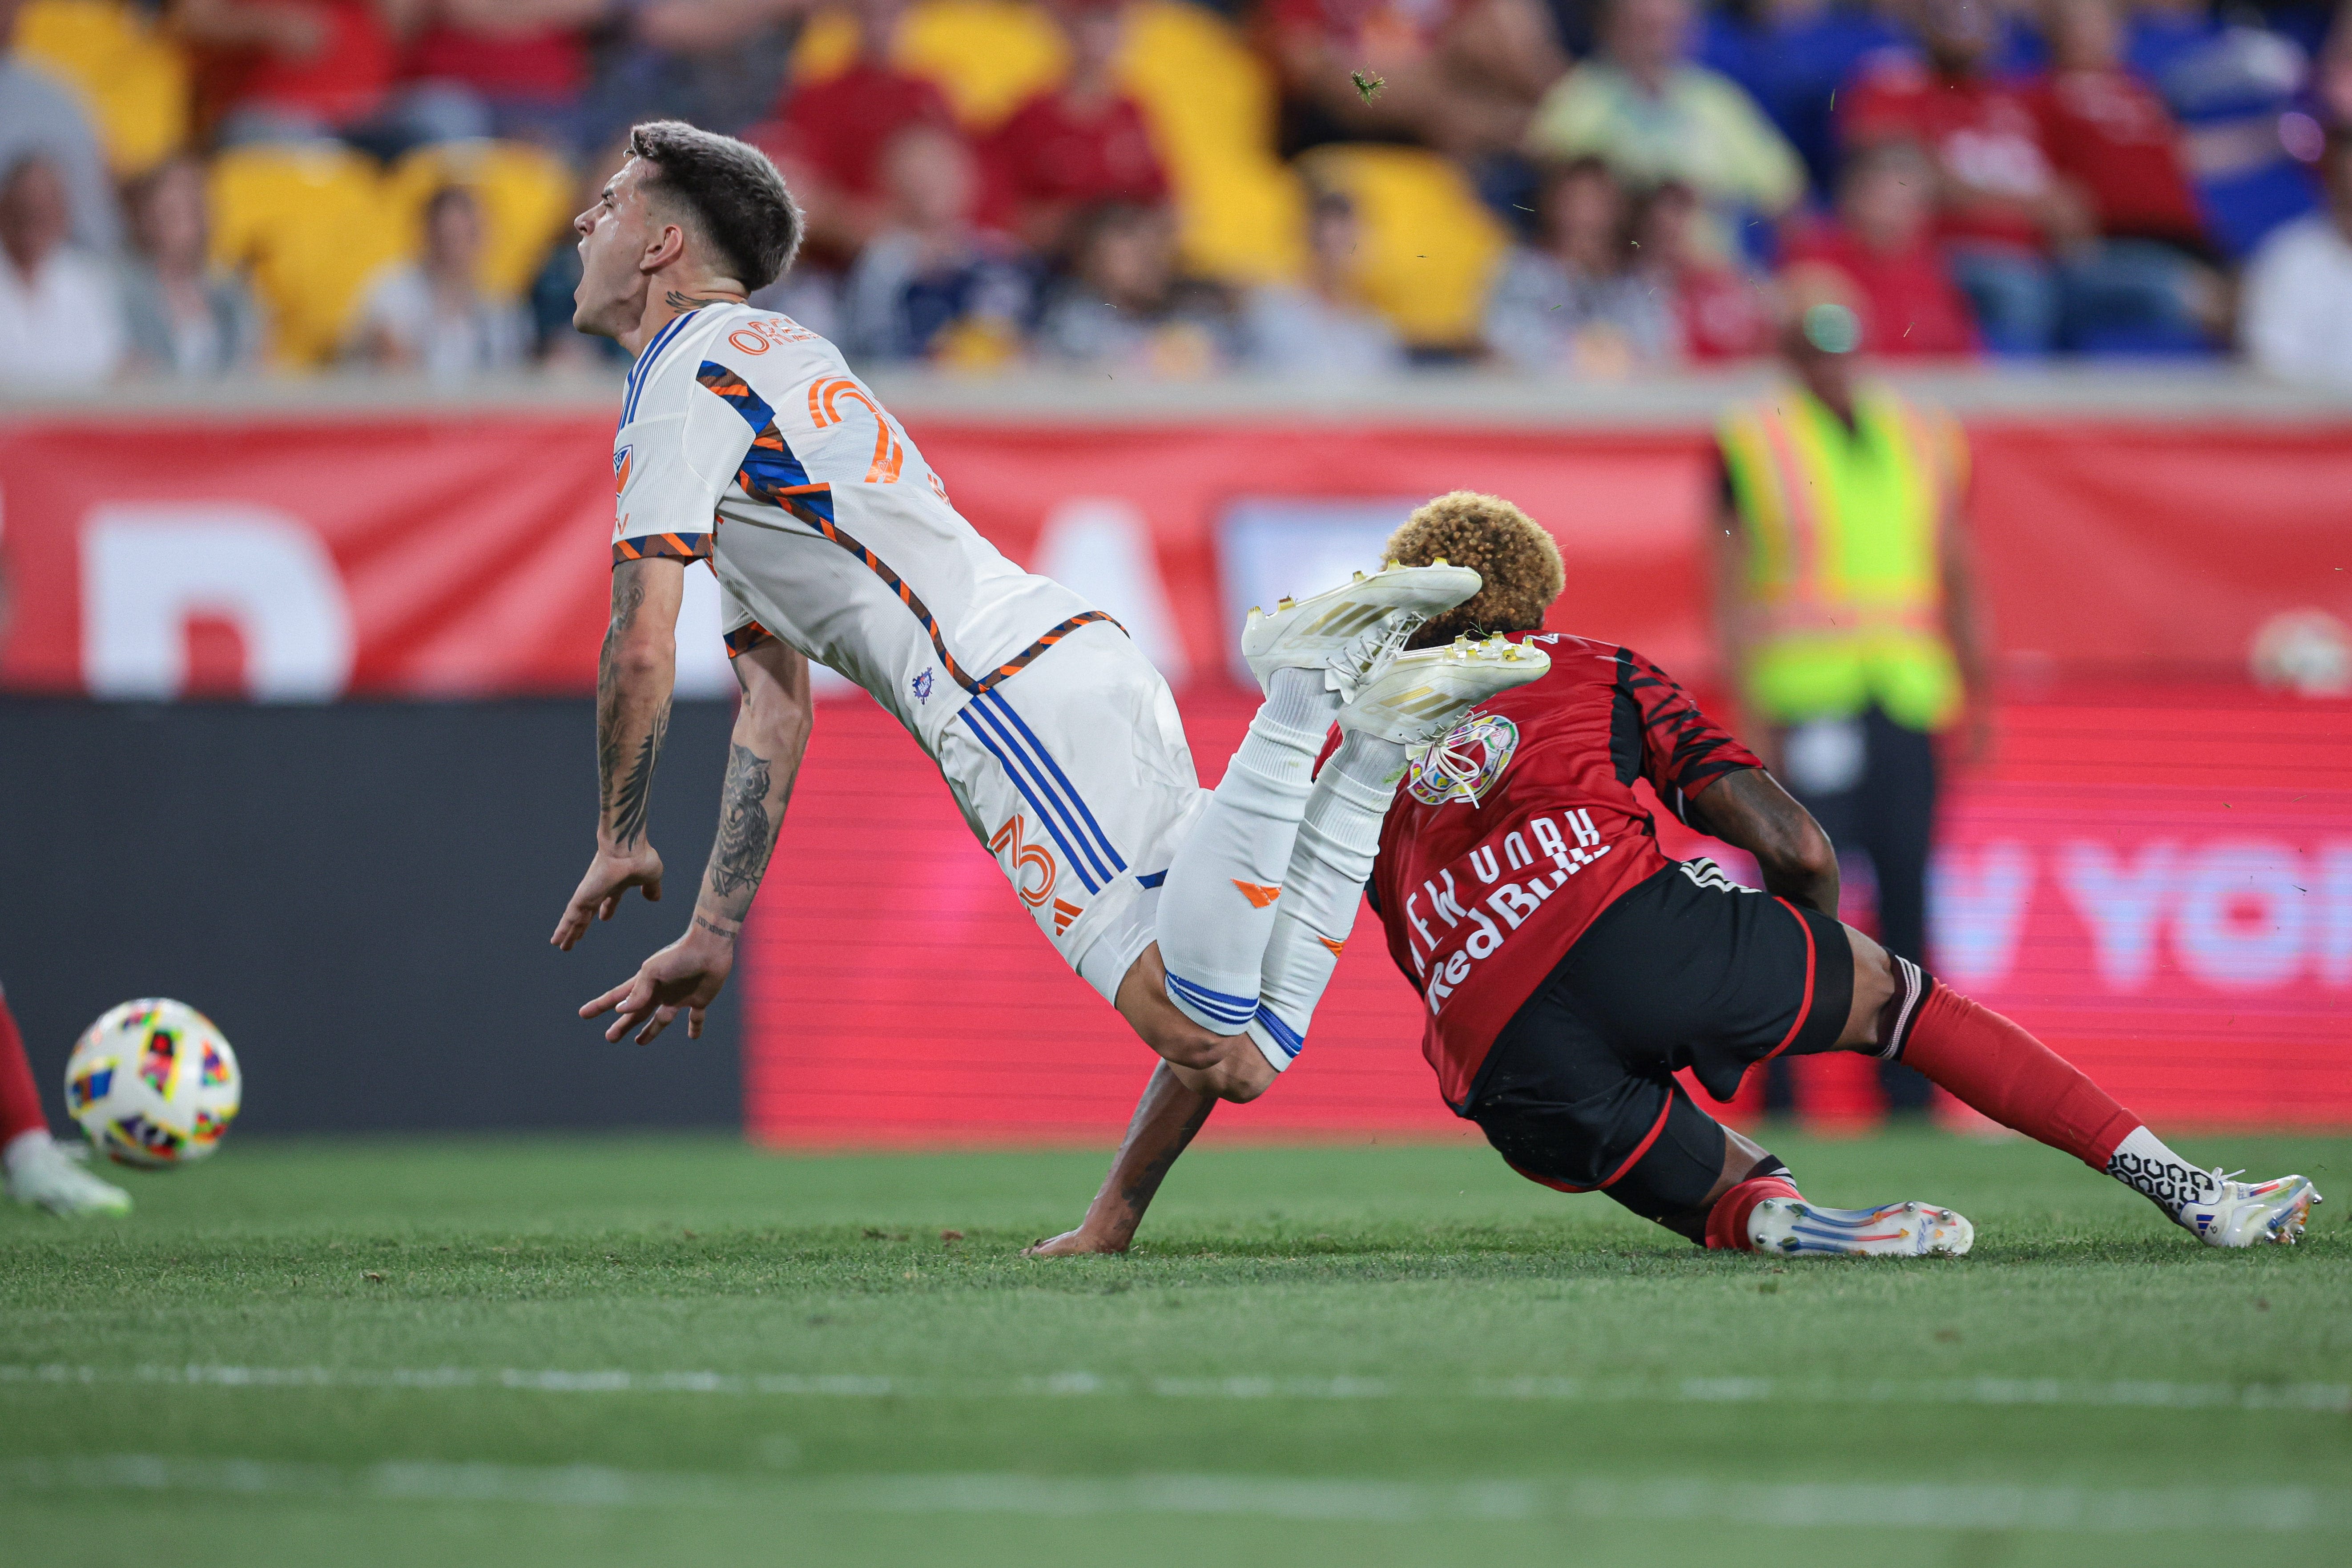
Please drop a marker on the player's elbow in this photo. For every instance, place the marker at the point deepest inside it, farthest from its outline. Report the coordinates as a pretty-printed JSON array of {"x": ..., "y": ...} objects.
[
  {"x": 635, "y": 659},
  {"x": 1801, "y": 851}
]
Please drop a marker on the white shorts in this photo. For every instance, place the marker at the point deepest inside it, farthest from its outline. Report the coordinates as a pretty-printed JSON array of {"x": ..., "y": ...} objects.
[{"x": 1075, "y": 774}]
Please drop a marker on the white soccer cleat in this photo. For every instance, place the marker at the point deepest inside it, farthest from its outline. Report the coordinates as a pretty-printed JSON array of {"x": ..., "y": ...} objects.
[
  {"x": 1899, "y": 1230},
  {"x": 1421, "y": 695},
  {"x": 1351, "y": 632},
  {"x": 2251, "y": 1214},
  {"x": 48, "y": 1175}
]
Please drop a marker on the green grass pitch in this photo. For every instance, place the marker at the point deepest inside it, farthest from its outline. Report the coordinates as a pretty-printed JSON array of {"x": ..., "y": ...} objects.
[{"x": 582, "y": 1352}]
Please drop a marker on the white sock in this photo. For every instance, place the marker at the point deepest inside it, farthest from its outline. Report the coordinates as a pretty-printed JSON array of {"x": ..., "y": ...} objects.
[
  {"x": 23, "y": 1147},
  {"x": 1337, "y": 841},
  {"x": 2143, "y": 1163},
  {"x": 1217, "y": 907}
]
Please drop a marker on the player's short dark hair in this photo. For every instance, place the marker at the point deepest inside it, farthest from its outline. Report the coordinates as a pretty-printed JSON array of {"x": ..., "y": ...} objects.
[
  {"x": 730, "y": 192},
  {"x": 1507, "y": 549}
]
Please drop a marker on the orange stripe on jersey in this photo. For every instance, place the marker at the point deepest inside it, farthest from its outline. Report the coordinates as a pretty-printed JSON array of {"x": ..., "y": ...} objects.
[
  {"x": 746, "y": 637},
  {"x": 1020, "y": 660},
  {"x": 663, "y": 547}
]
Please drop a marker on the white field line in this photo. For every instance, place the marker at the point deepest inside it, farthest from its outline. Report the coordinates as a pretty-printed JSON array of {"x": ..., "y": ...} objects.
[
  {"x": 1924, "y": 1505},
  {"x": 2324, "y": 1398}
]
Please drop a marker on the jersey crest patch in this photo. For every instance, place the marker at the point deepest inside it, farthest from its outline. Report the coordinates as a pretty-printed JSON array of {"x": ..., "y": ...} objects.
[
  {"x": 923, "y": 686},
  {"x": 1465, "y": 764}
]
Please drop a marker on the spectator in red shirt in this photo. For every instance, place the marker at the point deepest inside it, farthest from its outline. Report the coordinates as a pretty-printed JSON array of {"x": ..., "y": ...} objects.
[
  {"x": 2109, "y": 130},
  {"x": 1461, "y": 76},
  {"x": 1882, "y": 248},
  {"x": 501, "y": 67},
  {"x": 1082, "y": 143},
  {"x": 2020, "y": 239},
  {"x": 829, "y": 136},
  {"x": 277, "y": 70},
  {"x": 1720, "y": 312}
]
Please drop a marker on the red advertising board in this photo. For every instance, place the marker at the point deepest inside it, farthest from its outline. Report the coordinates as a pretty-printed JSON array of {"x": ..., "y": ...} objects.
[
  {"x": 2158, "y": 882},
  {"x": 440, "y": 557},
  {"x": 2158, "y": 874}
]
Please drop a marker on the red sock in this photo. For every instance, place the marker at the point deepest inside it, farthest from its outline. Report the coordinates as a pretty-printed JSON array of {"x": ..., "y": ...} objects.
[
  {"x": 1988, "y": 1063},
  {"x": 20, "y": 1102},
  {"x": 1727, "y": 1222}
]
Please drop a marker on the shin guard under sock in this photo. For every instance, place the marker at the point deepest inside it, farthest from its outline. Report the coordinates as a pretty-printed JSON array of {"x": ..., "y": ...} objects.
[
  {"x": 1990, "y": 1064},
  {"x": 20, "y": 1101},
  {"x": 1338, "y": 840},
  {"x": 1217, "y": 907}
]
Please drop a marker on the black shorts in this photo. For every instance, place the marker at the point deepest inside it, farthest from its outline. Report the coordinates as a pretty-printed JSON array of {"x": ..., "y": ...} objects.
[{"x": 1688, "y": 970}]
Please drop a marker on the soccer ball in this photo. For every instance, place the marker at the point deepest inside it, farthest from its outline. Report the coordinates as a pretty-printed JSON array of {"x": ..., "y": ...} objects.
[{"x": 153, "y": 1083}]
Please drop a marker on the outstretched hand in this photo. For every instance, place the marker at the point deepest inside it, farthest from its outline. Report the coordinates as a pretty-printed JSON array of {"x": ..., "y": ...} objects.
[
  {"x": 683, "y": 977},
  {"x": 598, "y": 897}
]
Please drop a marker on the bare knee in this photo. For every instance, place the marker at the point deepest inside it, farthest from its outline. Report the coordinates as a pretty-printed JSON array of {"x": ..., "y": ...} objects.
[
  {"x": 1143, "y": 1002},
  {"x": 1240, "y": 1076},
  {"x": 1874, "y": 988}
]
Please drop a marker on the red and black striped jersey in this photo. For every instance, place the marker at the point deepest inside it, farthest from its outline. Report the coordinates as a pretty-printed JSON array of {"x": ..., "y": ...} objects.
[{"x": 1511, "y": 835}]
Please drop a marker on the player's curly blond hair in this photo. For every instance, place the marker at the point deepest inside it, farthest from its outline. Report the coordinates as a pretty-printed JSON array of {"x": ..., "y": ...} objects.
[{"x": 1494, "y": 538}]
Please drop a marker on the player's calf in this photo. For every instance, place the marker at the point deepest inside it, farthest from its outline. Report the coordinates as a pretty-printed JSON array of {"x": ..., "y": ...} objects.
[{"x": 1992, "y": 1065}]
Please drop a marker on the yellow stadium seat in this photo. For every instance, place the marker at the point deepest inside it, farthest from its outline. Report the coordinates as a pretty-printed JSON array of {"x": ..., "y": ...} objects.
[
  {"x": 312, "y": 225},
  {"x": 527, "y": 195},
  {"x": 134, "y": 80},
  {"x": 1210, "y": 101},
  {"x": 987, "y": 56},
  {"x": 1244, "y": 222},
  {"x": 990, "y": 56},
  {"x": 1430, "y": 245},
  {"x": 1193, "y": 74},
  {"x": 1207, "y": 97}
]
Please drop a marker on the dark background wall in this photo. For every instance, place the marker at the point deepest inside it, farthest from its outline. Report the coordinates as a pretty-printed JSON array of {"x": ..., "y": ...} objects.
[{"x": 360, "y": 896}]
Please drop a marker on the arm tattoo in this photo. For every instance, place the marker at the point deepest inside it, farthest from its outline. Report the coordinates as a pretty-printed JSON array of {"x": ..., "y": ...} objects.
[
  {"x": 1137, "y": 1194},
  {"x": 633, "y": 796},
  {"x": 747, "y": 832},
  {"x": 624, "y": 798}
]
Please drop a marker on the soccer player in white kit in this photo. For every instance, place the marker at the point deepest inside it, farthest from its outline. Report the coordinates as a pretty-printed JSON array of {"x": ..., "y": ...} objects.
[{"x": 1210, "y": 919}]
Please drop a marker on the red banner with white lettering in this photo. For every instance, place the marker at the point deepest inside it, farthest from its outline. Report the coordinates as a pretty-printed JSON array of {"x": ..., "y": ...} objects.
[{"x": 309, "y": 558}]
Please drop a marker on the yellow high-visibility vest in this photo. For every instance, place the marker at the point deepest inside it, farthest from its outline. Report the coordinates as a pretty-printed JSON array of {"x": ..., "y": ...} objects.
[{"x": 1845, "y": 532}]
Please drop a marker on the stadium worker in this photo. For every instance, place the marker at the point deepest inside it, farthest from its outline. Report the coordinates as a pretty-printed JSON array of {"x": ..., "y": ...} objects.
[
  {"x": 1570, "y": 968},
  {"x": 1846, "y": 606},
  {"x": 745, "y": 442},
  {"x": 36, "y": 1168}
]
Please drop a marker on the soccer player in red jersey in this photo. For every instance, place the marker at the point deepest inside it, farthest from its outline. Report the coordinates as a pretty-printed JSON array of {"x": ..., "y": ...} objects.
[{"x": 1570, "y": 968}]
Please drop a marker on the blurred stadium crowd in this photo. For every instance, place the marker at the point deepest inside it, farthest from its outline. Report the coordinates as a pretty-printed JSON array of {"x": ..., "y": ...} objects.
[{"x": 1588, "y": 188}]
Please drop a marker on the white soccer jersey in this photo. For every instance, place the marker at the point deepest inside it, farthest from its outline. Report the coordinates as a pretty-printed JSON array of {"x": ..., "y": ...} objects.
[{"x": 746, "y": 440}]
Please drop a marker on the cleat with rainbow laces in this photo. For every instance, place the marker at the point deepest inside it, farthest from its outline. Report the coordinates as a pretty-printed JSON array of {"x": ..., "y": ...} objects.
[
  {"x": 1793, "y": 1228},
  {"x": 2251, "y": 1214}
]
